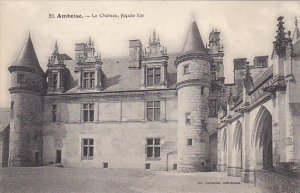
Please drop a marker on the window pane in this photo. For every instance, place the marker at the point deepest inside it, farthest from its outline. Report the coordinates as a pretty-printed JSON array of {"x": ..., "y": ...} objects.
[
  {"x": 85, "y": 151},
  {"x": 150, "y": 80},
  {"x": 150, "y": 71},
  {"x": 150, "y": 104},
  {"x": 157, "y": 152},
  {"x": 86, "y": 74},
  {"x": 85, "y": 115},
  {"x": 91, "y": 115},
  {"x": 157, "y": 141},
  {"x": 91, "y": 151},
  {"x": 85, "y": 106},
  {"x": 149, "y": 141},
  {"x": 85, "y": 83},
  {"x": 149, "y": 151},
  {"x": 150, "y": 114},
  {"x": 85, "y": 142},
  {"x": 157, "y": 79},
  {"x": 91, "y": 141},
  {"x": 157, "y": 104},
  {"x": 156, "y": 114},
  {"x": 91, "y": 106},
  {"x": 92, "y": 74},
  {"x": 157, "y": 70},
  {"x": 92, "y": 83}
]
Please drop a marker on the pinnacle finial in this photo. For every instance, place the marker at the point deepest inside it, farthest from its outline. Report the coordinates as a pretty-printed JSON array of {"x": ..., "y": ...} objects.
[
  {"x": 296, "y": 22},
  {"x": 154, "y": 35},
  {"x": 29, "y": 34}
]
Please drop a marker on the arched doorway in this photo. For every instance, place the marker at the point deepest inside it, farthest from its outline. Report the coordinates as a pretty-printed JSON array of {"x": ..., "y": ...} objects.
[
  {"x": 263, "y": 139},
  {"x": 237, "y": 155}
]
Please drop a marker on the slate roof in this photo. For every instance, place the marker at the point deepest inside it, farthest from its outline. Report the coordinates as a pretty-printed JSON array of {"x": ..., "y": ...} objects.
[
  {"x": 193, "y": 42},
  {"x": 28, "y": 58},
  {"x": 4, "y": 118},
  {"x": 118, "y": 77}
]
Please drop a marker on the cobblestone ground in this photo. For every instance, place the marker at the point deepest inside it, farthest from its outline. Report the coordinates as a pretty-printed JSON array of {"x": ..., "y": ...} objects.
[{"x": 82, "y": 180}]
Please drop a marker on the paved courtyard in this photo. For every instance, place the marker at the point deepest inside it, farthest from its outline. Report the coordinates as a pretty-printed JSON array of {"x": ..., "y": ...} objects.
[{"x": 82, "y": 180}]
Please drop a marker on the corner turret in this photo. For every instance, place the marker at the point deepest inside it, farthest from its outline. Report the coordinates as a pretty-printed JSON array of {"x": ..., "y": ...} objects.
[
  {"x": 193, "y": 85},
  {"x": 27, "y": 86}
]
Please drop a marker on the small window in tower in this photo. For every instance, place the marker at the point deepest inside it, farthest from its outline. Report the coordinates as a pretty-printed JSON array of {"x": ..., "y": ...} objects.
[
  {"x": 189, "y": 141},
  {"x": 20, "y": 78},
  {"x": 12, "y": 104},
  {"x": 186, "y": 69},
  {"x": 54, "y": 113},
  {"x": 188, "y": 118},
  {"x": 202, "y": 90}
]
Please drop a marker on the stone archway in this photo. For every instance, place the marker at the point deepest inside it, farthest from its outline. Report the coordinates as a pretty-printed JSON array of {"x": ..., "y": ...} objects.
[
  {"x": 262, "y": 139},
  {"x": 237, "y": 149}
]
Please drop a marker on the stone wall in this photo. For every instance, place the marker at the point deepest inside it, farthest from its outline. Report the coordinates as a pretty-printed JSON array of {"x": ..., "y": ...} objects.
[{"x": 120, "y": 130}]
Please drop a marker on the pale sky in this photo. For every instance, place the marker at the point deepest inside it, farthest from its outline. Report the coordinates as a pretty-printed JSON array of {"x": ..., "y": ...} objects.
[{"x": 247, "y": 28}]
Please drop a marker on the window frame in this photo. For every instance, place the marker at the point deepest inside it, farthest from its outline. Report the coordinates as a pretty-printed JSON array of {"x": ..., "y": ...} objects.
[
  {"x": 90, "y": 110},
  {"x": 212, "y": 105},
  {"x": 88, "y": 155},
  {"x": 88, "y": 79},
  {"x": 55, "y": 80},
  {"x": 186, "y": 69},
  {"x": 153, "y": 108},
  {"x": 189, "y": 142},
  {"x": 188, "y": 118},
  {"x": 154, "y": 146},
  {"x": 151, "y": 77}
]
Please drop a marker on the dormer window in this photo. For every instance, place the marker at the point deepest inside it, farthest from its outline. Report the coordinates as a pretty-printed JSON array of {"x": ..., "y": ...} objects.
[
  {"x": 88, "y": 79},
  {"x": 153, "y": 76},
  {"x": 54, "y": 80}
]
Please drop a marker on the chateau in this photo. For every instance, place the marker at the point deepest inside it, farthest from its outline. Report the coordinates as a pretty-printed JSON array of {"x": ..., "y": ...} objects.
[{"x": 157, "y": 110}]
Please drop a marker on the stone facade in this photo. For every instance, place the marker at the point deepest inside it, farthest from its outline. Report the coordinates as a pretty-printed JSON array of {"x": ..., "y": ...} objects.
[{"x": 156, "y": 110}]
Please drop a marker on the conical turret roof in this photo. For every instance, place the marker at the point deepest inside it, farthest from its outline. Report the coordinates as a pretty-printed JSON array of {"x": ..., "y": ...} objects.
[
  {"x": 193, "y": 42},
  {"x": 27, "y": 58}
]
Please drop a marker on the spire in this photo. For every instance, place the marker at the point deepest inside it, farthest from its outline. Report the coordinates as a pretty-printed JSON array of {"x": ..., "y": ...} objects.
[
  {"x": 27, "y": 58},
  {"x": 56, "y": 47},
  {"x": 193, "y": 42},
  {"x": 296, "y": 33}
]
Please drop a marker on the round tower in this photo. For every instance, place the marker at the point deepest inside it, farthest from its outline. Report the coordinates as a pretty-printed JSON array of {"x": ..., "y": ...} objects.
[
  {"x": 27, "y": 86},
  {"x": 193, "y": 85}
]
